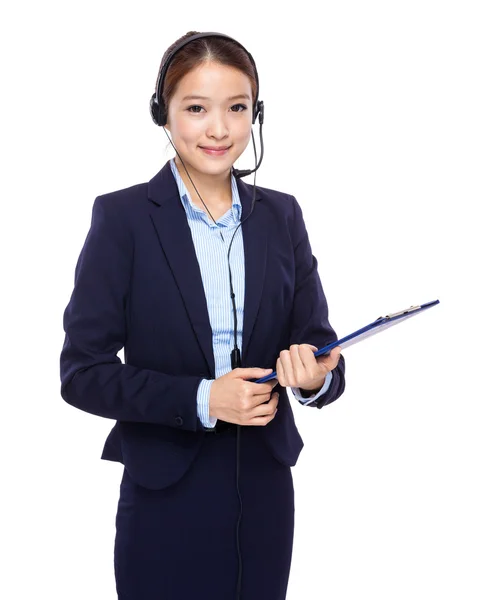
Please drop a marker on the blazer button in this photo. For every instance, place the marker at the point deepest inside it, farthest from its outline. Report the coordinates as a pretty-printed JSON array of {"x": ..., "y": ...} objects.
[{"x": 179, "y": 421}]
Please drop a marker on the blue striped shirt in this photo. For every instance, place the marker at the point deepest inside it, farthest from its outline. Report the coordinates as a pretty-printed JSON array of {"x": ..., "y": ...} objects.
[{"x": 211, "y": 252}]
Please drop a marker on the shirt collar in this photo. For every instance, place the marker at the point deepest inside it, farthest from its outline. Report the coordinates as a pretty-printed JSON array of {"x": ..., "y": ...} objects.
[{"x": 188, "y": 203}]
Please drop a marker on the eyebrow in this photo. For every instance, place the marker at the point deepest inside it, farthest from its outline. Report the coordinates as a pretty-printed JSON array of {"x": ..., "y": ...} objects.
[{"x": 196, "y": 97}]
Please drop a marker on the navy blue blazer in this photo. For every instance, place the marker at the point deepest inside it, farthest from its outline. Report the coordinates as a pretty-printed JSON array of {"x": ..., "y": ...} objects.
[{"x": 138, "y": 286}]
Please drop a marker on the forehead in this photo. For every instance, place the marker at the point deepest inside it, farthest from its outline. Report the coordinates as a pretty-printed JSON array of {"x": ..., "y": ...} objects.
[{"x": 213, "y": 80}]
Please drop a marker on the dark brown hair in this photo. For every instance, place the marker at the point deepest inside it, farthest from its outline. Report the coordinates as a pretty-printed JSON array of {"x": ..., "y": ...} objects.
[{"x": 216, "y": 49}]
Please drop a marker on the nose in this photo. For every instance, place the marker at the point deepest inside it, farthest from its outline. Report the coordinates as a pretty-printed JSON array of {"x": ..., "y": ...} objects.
[{"x": 217, "y": 128}]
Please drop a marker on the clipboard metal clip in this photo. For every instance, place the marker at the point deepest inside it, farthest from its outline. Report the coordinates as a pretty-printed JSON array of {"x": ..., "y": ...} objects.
[{"x": 401, "y": 312}]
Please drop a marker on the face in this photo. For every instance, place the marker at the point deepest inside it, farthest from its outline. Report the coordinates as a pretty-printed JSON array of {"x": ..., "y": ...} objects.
[{"x": 219, "y": 116}]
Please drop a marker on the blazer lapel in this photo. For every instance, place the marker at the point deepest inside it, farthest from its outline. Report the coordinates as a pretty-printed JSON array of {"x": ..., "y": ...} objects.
[
  {"x": 255, "y": 234},
  {"x": 174, "y": 234}
]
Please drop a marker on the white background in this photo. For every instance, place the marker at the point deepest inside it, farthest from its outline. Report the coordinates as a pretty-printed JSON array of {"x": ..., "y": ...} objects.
[{"x": 382, "y": 119}]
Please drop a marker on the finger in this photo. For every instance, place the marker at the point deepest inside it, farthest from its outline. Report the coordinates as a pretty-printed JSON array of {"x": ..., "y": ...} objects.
[
  {"x": 261, "y": 421},
  {"x": 331, "y": 360},
  {"x": 308, "y": 368},
  {"x": 286, "y": 363},
  {"x": 337, "y": 354},
  {"x": 297, "y": 355},
  {"x": 309, "y": 361},
  {"x": 265, "y": 408},
  {"x": 313, "y": 348},
  {"x": 251, "y": 372},
  {"x": 280, "y": 373}
]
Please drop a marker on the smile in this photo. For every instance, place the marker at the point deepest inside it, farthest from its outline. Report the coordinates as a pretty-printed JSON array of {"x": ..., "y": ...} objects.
[{"x": 215, "y": 152}]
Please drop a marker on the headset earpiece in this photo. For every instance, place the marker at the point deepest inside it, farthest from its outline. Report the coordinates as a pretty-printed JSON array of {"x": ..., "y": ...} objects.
[{"x": 259, "y": 110}]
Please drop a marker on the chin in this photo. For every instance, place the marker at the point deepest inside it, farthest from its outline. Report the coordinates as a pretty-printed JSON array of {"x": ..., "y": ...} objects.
[{"x": 211, "y": 164}]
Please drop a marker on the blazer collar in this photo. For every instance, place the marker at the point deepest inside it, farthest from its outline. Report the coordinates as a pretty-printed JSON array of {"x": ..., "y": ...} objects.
[{"x": 174, "y": 234}]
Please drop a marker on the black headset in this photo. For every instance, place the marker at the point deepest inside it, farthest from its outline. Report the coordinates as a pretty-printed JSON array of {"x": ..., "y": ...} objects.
[{"x": 157, "y": 108}]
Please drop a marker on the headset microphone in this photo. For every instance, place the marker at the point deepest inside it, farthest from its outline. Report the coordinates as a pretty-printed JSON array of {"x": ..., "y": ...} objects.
[
  {"x": 237, "y": 172},
  {"x": 158, "y": 113}
]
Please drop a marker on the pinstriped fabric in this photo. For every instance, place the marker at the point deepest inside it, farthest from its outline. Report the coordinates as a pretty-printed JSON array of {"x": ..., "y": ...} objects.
[{"x": 211, "y": 242}]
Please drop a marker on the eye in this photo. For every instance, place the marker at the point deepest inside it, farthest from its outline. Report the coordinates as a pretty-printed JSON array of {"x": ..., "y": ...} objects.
[
  {"x": 195, "y": 106},
  {"x": 242, "y": 105}
]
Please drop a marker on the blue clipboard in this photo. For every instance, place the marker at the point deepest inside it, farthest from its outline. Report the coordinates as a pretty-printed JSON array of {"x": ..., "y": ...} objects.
[{"x": 373, "y": 328}]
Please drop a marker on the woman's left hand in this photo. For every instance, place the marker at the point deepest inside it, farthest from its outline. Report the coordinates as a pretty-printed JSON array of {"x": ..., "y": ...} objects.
[{"x": 298, "y": 367}]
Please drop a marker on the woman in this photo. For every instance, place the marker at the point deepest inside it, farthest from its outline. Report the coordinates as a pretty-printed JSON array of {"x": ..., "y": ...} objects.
[{"x": 201, "y": 512}]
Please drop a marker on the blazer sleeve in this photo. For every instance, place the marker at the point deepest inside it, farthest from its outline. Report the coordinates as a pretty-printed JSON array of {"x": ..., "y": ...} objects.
[
  {"x": 93, "y": 378},
  {"x": 309, "y": 321}
]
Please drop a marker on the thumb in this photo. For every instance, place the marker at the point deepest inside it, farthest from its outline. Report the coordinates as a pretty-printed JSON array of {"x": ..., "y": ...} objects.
[
  {"x": 250, "y": 372},
  {"x": 313, "y": 348},
  {"x": 331, "y": 358}
]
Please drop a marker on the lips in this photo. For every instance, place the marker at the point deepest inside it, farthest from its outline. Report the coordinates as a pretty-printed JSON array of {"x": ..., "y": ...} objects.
[
  {"x": 215, "y": 147},
  {"x": 215, "y": 151}
]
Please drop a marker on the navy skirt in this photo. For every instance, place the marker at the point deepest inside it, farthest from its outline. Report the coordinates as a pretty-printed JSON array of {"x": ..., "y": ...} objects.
[{"x": 180, "y": 542}]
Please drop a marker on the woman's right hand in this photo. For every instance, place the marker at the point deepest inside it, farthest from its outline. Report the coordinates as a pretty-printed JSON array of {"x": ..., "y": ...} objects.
[{"x": 236, "y": 400}]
